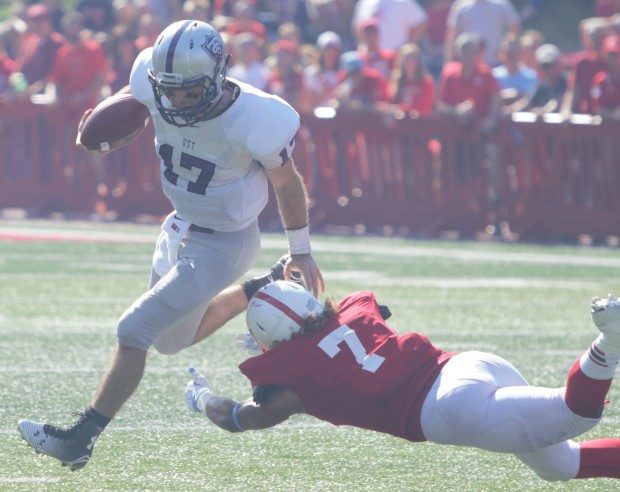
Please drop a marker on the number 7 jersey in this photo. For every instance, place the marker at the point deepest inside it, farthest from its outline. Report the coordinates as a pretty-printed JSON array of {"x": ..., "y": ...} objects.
[
  {"x": 356, "y": 371},
  {"x": 213, "y": 172}
]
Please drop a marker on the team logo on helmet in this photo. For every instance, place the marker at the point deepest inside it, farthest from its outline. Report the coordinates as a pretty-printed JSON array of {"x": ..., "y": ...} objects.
[{"x": 213, "y": 47}]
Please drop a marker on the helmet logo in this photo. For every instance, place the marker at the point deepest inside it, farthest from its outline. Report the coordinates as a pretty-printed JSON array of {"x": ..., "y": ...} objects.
[{"x": 213, "y": 47}]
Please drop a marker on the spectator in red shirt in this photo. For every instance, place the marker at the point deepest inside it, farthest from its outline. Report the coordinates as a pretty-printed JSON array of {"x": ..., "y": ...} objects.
[
  {"x": 467, "y": 88},
  {"x": 344, "y": 364},
  {"x": 372, "y": 54},
  {"x": 291, "y": 33},
  {"x": 588, "y": 63},
  {"x": 80, "y": 66},
  {"x": 286, "y": 76},
  {"x": 38, "y": 48},
  {"x": 469, "y": 92},
  {"x": 244, "y": 21},
  {"x": 606, "y": 84},
  {"x": 359, "y": 86},
  {"x": 411, "y": 87}
]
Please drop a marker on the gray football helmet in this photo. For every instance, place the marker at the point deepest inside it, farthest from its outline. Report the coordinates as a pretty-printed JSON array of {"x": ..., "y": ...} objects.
[{"x": 188, "y": 54}]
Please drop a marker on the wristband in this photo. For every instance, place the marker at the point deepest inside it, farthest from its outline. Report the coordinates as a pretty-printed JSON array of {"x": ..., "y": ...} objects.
[
  {"x": 299, "y": 240},
  {"x": 235, "y": 417}
]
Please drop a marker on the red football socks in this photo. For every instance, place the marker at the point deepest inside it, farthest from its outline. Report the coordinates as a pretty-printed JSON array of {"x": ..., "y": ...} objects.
[
  {"x": 585, "y": 396},
  {"x": 599, "y": 458}
]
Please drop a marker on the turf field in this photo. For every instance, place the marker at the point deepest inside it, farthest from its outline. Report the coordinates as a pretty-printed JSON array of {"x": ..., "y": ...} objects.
[{"x": 60, "y": 300}]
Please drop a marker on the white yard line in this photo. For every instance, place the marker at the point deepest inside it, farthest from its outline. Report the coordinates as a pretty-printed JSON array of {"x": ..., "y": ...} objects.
[
  {"x": 38, "y": 480},
  {"x": 351, "y": 247},
  {"x": 415, "y": 251},
  {"x": 78, "y": 235}
]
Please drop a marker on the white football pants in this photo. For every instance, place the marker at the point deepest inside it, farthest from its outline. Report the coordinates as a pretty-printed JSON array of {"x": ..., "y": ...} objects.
[{"x": 480, "y": 400}]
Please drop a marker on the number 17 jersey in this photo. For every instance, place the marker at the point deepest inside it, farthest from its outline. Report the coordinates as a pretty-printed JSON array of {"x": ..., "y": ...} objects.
[
  {"x": 213, "y": 172},
  {"x": 356, "y": 371}
]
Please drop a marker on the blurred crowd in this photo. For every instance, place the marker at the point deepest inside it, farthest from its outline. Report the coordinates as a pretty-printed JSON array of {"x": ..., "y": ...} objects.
[{"x": 467, "y": 58}]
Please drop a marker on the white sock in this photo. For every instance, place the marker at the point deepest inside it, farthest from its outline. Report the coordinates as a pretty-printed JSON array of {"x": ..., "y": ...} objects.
[{"x": 598, "y": 362}]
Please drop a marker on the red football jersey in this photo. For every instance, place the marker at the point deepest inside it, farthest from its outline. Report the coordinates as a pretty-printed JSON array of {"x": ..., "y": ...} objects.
[{"x": 357, "y": 371}]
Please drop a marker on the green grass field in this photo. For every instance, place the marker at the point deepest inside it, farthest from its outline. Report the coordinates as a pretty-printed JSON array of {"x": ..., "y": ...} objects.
[{"x": 60, "y": 300}]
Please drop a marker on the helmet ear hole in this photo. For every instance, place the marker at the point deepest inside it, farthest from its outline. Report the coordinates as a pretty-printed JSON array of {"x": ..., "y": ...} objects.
[
  {"x": 188, "y": 54},
  {"x": 278, "y": 311}
]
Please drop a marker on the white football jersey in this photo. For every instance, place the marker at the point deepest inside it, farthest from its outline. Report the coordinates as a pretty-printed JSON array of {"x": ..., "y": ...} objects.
[{"x": 213, "y": 172}]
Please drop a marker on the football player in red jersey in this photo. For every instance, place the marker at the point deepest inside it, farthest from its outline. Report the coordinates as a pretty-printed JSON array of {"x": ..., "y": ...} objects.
[{"x": 342, "y": 363}]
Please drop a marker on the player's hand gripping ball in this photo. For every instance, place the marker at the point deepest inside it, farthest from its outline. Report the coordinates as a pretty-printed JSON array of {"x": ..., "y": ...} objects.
[{"x": 114, "y": 123}]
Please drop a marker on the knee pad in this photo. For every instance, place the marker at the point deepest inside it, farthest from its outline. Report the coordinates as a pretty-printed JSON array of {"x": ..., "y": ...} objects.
[
  {"x": 129, "y": 333},
  {"x": 180, "y": 336}
]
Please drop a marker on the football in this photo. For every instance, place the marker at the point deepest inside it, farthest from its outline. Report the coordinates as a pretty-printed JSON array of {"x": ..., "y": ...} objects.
[{"x": 114, "y": 123}]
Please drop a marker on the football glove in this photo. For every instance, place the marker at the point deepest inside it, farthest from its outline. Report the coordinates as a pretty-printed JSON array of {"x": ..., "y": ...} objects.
[
  {"x": 245, "y": 341},
  {"x": 197, "y": 391}
]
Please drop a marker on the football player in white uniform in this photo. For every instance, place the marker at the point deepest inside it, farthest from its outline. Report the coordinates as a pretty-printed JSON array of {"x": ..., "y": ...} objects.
[{"x": 219, "y": 141}]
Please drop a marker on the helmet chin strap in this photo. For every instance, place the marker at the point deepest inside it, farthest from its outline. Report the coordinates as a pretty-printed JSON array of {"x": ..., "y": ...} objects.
[
  {"x": 217, "y": 107},
  {"x": 223, "y": 102},
  {"x": 225, "y": 69},
  {"x": 214, "y": 108}
]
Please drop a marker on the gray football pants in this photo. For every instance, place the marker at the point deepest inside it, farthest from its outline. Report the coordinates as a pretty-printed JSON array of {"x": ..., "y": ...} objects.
[{"x": 168, "y": 315}]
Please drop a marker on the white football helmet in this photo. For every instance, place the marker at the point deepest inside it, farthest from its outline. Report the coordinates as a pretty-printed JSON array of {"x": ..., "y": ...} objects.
[
  {"x": 188, "y": 54},
  {"x": 278, "y": 310}
]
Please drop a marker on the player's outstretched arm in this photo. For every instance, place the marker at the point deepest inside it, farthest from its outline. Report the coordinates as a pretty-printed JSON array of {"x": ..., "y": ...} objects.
[
  {"x": 238, "y": 417},
  {"x": 293, "y": 206}
]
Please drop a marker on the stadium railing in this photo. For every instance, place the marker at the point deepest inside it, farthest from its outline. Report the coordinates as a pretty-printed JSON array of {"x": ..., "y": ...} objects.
[{"x": 366, "y": 171}]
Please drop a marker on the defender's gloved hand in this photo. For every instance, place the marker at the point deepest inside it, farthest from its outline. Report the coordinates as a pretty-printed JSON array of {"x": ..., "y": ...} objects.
[
  {"x": 198, "y": 391},
  {"x": 246, "y": 341}
]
